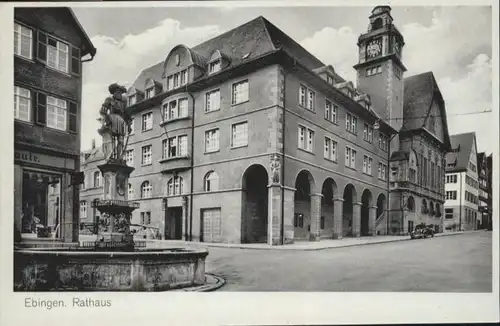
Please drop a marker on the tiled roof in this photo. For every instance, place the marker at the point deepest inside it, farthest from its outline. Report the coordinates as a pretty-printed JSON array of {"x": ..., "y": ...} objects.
[
  {"x": 419, "y": 92},
  {"x": 93, "y": 154},
  {"x": 400, "y": 156},
  {"x": 462, "y": 145},
  {"x": 250, "y": 40}
]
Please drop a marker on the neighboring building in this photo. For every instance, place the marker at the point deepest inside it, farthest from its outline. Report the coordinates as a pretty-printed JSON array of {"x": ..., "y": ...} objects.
[
  {"x": 484, "y": 208},
  {"x": 250, "y": 138},
  {"x": 49, "y": 44},
  {"x": 462, "y": 185},
  {"x": 489, "y": 166}
]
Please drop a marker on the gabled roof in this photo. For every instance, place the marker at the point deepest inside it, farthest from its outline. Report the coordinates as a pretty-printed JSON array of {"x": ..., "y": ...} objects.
[
  {"x": 88, "y": 46},
  {"x": 243, "y": 43},
  {"x": 464, "y": 143},
  {"x": 93, "y": 154},
  {"x": 419, "y": 93}
]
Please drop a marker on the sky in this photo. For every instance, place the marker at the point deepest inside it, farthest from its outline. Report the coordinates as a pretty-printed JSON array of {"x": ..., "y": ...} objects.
[{"x": 454, "y": 42}]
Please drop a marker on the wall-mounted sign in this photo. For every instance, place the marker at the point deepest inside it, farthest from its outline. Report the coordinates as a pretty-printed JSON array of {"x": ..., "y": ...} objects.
[{"x": 43, "y": 159}]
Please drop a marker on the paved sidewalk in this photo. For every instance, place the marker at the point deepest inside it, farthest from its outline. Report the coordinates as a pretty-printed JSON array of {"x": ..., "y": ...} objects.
[{"x": 299, "y": 245}]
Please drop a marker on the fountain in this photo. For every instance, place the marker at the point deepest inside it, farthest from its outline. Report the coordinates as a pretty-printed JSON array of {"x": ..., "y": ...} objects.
[{"x": 114, "y": 261}]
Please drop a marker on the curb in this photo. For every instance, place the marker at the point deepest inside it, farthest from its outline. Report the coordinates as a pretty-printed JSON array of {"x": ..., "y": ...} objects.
[
  {"x": 280, "y": 248},
  {"x": 219, "y": 282}
]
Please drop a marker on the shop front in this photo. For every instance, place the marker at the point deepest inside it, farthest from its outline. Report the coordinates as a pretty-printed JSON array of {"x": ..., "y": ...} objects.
[{"x": 44, "y": 197}]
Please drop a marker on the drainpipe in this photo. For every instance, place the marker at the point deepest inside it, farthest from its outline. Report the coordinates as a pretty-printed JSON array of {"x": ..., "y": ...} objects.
[
  {"x": 282, "y": 228},
  {"x": 192, "y": 172}
]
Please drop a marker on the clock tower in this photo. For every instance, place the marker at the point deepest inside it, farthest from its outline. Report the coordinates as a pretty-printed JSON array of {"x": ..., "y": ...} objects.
[{"x": 380, "y": 68}]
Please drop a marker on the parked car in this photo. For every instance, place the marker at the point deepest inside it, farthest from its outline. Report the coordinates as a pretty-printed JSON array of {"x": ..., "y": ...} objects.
[{"x": 422, "y": 231}]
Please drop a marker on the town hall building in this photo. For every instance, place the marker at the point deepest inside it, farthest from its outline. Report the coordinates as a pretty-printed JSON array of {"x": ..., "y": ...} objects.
[{"x": 250, "y": 138}]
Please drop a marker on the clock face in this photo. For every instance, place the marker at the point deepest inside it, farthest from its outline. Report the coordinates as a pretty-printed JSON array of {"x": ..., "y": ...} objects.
[{"x": 374, "y": 48}]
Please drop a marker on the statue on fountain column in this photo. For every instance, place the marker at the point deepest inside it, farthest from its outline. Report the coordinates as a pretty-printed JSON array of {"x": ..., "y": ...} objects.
[{"x": 115, "y": 123}]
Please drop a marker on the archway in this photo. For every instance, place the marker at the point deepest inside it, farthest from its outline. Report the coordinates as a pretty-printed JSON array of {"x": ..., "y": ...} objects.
[
  {"x": 302, "y": 205},
  {"x": 254, "y": 205},
  {"x": 349, "y": 200},
  {"x": 411, "y": 204},
  {"x": 366, "y": 202},
  {"x": 329, "y": 192}
]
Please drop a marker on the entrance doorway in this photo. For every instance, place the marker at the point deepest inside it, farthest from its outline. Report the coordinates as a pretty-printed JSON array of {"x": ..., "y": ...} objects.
[
  {"x": 173, "y": 224},
  {"x": 41, "y": 204},
  {"x": 254, "y": 205},
  {"x": 366, "y": 203},
  {"x": 211, "y": 229}
]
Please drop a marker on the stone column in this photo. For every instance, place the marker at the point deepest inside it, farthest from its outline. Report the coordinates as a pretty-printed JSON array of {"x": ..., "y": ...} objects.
[
  {"x": 314, "y": 233},
  {"x": 372, "y": 216},
  {"x": 356, "y": 219},
  {"x": 274, "y": 214},
  {"x": 404, "y": 220},
  {"x": 338, "y": 218},
  {"x": 184, "y": 217},
  {"x": 288, "y": 215}
]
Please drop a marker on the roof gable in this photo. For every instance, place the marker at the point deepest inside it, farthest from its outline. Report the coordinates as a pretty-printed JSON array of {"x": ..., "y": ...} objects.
[
  {"x": 462, "y": 145},
  {"x": 421, "y": 92}
]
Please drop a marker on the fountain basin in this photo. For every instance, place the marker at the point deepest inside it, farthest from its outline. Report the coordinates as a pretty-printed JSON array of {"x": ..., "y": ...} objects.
[{"x": 80, "y": 269}]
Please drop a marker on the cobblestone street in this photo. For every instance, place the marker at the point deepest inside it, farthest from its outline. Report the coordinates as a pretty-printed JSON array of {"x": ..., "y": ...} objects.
[{"x": 457, "y": 263}]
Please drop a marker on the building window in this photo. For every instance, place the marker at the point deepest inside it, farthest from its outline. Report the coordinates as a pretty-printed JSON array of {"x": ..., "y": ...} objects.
[
  {"x": 452, "y": 195},
  {"x": 129, "y": 157},
  {"x": 334, "y": 115},
  {"x": 211, "y": 181},
  {"x": 350, "y": 157},
  {"x": 367, "y": 164},
  {"x": 22, "y": 104},
  {"x": 175, "y": 147},
  {"x": 382, "y": 171},
  {"x": 240, "y": 92},
  {"x": 57, "y": 54},
  {"x": 322, "y": 222},
  {"x": 23, "y": 41},
  {"x": 130, "y": 192},
  {"x": 56, "y": 113},
  {"x": 132, "y": 100},
  {"x": 212, "y": 101},
  {"x": 302, "y": 95},
  {"x": 83, "y": 209},
  {"x": 145, "y": 218},
  {"x": 239, "y": 134},
  {"x": 382, "y": 142},
  {"x": 170, "y": 82},
  {"x": 147, "y": 121},
  {"x": 448, "y": 213},
  {"x": 146, "y": 155},
  {"x": 212, "y": 140},
  {"x": 368, "y": 133},
  {"x": 175, "y": 109},
  {"x": 150, "y": 92},
  {"x": 176, "y": 80},
  {"x": 184, "y": 77},
  {"x": 311, "y": 96},
  {"x": 97, "y": 179},
  {"x": 306, "y": 139},
  {"x": 330, "y": 149},
  {"x": 373, "y": 70},
  {"x": 330, "y": 111},
  {"x": 174, "y": 186},
  {"x": 351, "y": 124},
  {"x": 214, "y": 66},
  {"x": 146, "y": 190}
]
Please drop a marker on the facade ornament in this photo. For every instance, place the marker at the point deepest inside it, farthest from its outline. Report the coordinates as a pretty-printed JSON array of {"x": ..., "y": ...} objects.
[
  {"x": 275, "y": 168},
  {"x": 115, "y": 123}
]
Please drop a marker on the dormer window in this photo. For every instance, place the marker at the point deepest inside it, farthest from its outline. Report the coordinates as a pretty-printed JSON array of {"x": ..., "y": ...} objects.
[
  {"x": 329, "y": 79},
  {"x": 132, "y": 100},
  {"x": 178, "y": 79},
  {"x": 215, "y": 66},
  {"x": 150, "y": 92}
]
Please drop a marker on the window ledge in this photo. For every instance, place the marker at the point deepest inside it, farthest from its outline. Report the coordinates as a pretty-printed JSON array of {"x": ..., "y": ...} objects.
[
  {"x": 165, "y": 122},
  {"x": 147, "y": 164},
  {"x": 330, "y": 160},
  {"x": 169, "y": 159},
  {"x": 32, "y": 60},
  {"x": 306, "y": 151},
  {"x": 240, "y": 146},
  {"x": 146, "y": 130},
  {"x": 210, "y": 111},
  {"x": 211, "y": 152},
  {"x": 350, "y": 168},
  {"x": 368, "y": 174},
  {"x": 242, "y": 102},
  {"x": 67, "y": 74}
]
